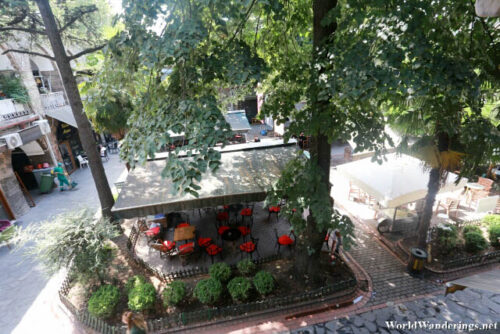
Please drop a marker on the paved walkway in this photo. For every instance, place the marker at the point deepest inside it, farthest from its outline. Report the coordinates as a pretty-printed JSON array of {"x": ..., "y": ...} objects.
[
  {"x": 389, "y": 276},
  {"x": 469, "y": 308},
  {"x": 27, "y": 297}
]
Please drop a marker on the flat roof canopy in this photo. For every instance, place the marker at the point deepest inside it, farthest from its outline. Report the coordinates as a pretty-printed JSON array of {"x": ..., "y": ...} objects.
[
  {"x": 243, "y": 176},
  {"x": 489, "y": 281},
  {"x": 399, "y": 180},
  {"x": 238, "y": 121}
]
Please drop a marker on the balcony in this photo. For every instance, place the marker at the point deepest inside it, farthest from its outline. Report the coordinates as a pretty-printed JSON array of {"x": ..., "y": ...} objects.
[
  {"x": 12, "y": 113},
  {"x": 56, "y": 107}
]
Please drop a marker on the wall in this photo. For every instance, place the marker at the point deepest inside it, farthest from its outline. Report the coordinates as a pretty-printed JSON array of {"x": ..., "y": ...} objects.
[{"x": 10, "y": 186}]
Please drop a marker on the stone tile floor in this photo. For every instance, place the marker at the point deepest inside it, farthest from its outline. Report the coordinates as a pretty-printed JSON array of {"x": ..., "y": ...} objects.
[{"x": 469, "y": 308}]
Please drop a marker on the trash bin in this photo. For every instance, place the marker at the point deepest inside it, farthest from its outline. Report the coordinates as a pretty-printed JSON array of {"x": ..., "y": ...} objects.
[
  {"x": 46, "y": 183},
  {"x": 417, "y": 261}
]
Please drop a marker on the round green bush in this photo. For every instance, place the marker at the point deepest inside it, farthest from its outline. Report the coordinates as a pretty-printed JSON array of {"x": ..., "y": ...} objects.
[
  {"x": 475, "y": 242},
  {"x": 447, "y": 236},
  {"x": 208, "y": 291},
  {"x": 263, "y": 282},
  {"x": 494, "y": 235},
  {"x": 174, "y": 293},
  {"x": 246, "y": 267},
  {"x": 471, "y": 228},
  {"x": 142, "y": 297},
  {"x": 239, "y": 288},
  {"x": 102, "y": 303},
  {"x": 220, "y": 271},
  {"x": 134, "y": 281}
]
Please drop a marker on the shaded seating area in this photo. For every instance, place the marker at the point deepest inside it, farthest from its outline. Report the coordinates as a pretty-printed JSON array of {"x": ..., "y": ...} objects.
[{"x": 226, "y": 222}]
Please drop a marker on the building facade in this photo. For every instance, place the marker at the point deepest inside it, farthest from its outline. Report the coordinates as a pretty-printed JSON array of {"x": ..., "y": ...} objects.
[{"x": 34, "y": 136}]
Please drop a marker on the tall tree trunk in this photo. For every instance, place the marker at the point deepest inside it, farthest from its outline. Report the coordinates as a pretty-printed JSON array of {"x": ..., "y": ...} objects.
[
  {"x": 310, "y": 242},
  {"x": 84, "y": 128},
  {"x": 432, "y": 190},
  {"x": 425, "y": 219}
]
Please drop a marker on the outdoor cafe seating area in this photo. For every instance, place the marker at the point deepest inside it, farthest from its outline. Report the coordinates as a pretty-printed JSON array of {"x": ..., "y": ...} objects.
[{"x": 199, "y": 237}]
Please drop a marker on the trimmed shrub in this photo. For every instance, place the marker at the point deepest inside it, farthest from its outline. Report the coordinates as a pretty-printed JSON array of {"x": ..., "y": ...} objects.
[
  {"x": 239, "y": 288},
  {"x": 491, "y": 220},
  {"x": 174, "y": 293},
  {"x": 220, "y": 271},
  {"x": 494, "y": 234},
  {"x": 475, "y": 242},
  {"x": 447, "y": 236},
  {"x": 246, "y": 267},
  {"x": 134, "y": 281},
  {"x": 142, "y": 297},
  {"x": 472, "y": 228},
  {"x": 208, "y": 291},
  {"x": 102, "y": 303},
  {"x": 263, "y": 282}
]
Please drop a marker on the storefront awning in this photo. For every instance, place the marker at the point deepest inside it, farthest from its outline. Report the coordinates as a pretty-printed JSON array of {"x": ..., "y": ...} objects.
[
  {"x": 238, "y": 121},
  {"x": 32, "y": 148},
  {"x": 244, "y": 176},
  {"x": 63, "y": 114}
]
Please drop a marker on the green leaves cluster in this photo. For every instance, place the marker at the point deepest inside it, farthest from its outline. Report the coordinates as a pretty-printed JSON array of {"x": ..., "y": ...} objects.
[
  {"x": 142, "y": 297},
  {"x": 239, "y": 288},
  {"x": 221, "y": 271},
  {"x": 303, "y": 190},
  {"x": 75, "y": 239},
  {"x": 12, "y": 88},
  {"x": 186, "y": 56},
  {"x": 208, "y": 291},
  {"x": 174, "y": 293}
]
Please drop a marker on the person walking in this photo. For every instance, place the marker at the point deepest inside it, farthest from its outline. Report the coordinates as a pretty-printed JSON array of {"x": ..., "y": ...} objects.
[
  {"x": 135, "y": 323},
  {"x": 336, "y": 246},
  {"x": 62, "y": 177}
]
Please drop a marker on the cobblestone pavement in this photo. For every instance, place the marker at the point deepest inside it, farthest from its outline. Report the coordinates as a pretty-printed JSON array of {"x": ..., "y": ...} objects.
[
  {"x": 389, "y": 276},
  {"x": 26, "y": 294},
  {"x": 467, "y": 308}
]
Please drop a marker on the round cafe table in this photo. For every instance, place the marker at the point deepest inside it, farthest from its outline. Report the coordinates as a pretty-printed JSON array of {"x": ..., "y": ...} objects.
[
  {"x": 231, "y": 234},
  {"x": 471, "y": 187}
]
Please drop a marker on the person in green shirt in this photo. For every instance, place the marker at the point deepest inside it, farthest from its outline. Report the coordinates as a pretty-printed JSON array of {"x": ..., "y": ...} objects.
[
  {"x": 62, "y": 177},
  {"x": 135, "y": 323}
]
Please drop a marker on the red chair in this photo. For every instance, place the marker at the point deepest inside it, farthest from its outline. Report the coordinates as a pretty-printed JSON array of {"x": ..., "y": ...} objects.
[
  {"x": 244, "y": 230},
  {"x": 248, "y": 213},
  {"x": 183, "y": 224},
  {"x": 165, "y": 248},
  {"x": 250, "y": 247},
  {"x": 152, "y": 234},
  {"x": 213, "y": 250},
  {"x": 221, "y": 230},
  {"x": 274, "y": 209},
  {"x": 284, "y": 240},
  {"x": 222, "y": 217},
  {"x": 186, "y": 248},
  {"x": 204, "y": 242}
]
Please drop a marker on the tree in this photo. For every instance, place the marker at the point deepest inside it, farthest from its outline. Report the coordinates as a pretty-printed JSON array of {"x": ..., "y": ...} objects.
[
  {"x": 74, "y": 240},
  {"x": 443, "y": 56},
  {"x": 193, "y": 50},
  {"x": 20, "y": 17}
]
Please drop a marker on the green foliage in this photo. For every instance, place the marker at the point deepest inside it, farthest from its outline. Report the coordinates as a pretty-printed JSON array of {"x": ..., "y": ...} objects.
[
  {"x": 142, "y": 297},
  {"x": 102, "y": 303},
  {"x": 475, "y": 242},
  {"x": 239, "y": 288},
  {"x": 174, "y": 293},
  {"x": 220, "y": 271},
  {"x": 246, "y": 267},
  {"x": 489, "y": 220},
  {"x": 447, "y": 236},
  {"x": 74, "y": 238},
  {"x": 12, "y": 88},
  {"x": 494, "y": 234},
  {"x": 300, "y": 183},
  {"x": 133, "y": 282},
  {"x": 8, "y": 234},
  {"x": 264, "y": 282},
  {"x": 208, "y": 291},
  {"x": 471, "y": 228}
]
